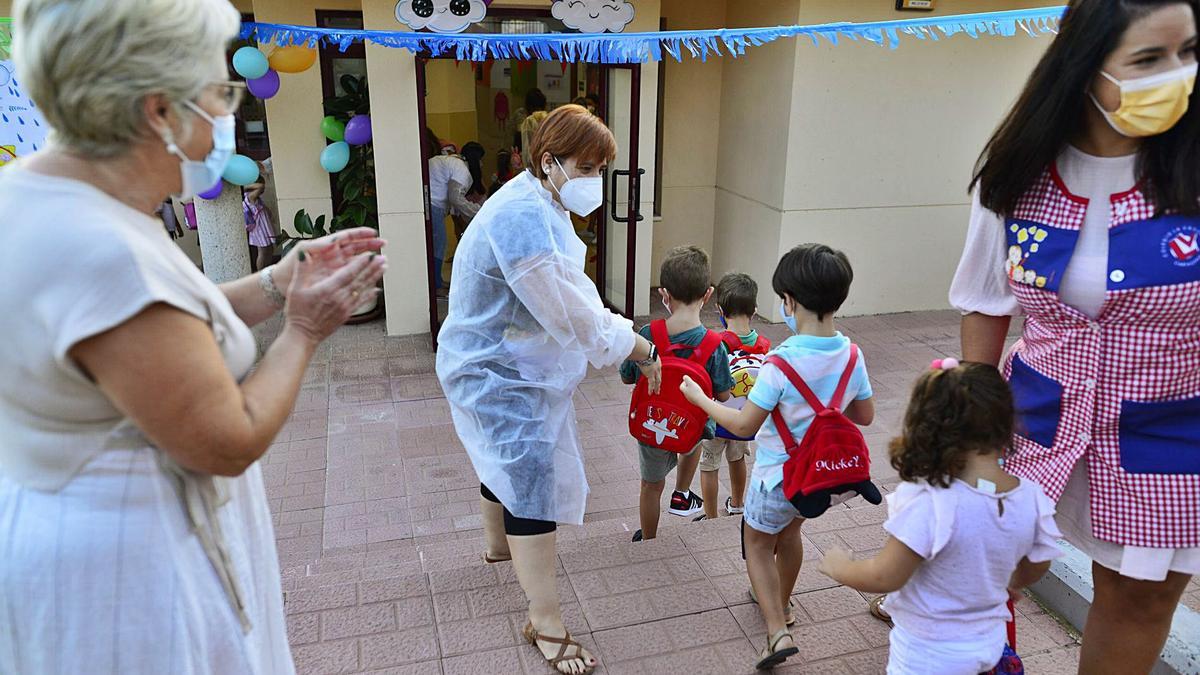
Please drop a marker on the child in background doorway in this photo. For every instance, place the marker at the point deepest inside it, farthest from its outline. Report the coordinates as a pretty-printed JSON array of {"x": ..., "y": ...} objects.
[
  {"x": 685, "y": 290},
  {"x": 965, "y": 535},
  {"x": 813, "y": 281},
  {"x": 737, "y": 302}
]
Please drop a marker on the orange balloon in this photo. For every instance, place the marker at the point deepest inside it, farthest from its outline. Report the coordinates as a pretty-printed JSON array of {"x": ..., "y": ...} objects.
[{"x": 292, "y": 59}]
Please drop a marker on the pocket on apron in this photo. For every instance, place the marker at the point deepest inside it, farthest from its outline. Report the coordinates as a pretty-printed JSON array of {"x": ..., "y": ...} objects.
[
  {"x": 1160, "y": 437},
  {"x": 1038, "y": 402}
]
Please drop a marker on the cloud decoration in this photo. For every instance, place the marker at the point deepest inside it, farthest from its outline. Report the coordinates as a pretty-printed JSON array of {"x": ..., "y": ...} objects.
[
  {"x": 594, "y": 16},
  {"x": 441, "y": 16}
]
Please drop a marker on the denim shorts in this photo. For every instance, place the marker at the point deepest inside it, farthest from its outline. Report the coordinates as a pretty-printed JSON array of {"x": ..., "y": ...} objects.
[{"x": 769, "y": 511}]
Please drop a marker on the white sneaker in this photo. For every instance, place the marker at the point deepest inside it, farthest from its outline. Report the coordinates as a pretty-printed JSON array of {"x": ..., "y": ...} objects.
[{"x": 731, "y": 509}]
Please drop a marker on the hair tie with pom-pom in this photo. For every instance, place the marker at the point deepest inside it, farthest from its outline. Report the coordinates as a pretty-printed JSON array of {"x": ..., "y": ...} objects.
[{"x": 944, "y": 364}]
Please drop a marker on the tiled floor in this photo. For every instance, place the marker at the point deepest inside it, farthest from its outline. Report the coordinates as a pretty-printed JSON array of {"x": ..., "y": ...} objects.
[{"x": 376, "y": 512}]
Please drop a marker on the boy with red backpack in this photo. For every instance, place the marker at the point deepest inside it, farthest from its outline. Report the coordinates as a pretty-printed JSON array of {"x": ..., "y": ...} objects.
[
  {"x": 667, "y": 427},
  {"x": 737, "y": 302},
  {"x": 815, "y": 387}
]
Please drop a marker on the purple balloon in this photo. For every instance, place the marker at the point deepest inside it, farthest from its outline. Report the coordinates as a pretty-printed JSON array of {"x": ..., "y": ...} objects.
[
  {"x": 358, "y": 130},
  {"x": 214, "y": 191},
  {"x": 265, "y": 86}
]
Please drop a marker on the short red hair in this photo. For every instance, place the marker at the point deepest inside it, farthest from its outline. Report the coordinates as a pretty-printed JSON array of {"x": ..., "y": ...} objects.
[{"x": 571, "y": 131}]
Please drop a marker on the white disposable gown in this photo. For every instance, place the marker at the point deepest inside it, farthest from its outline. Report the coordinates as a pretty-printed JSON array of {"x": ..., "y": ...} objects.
[{"x": 524, "y": 322}]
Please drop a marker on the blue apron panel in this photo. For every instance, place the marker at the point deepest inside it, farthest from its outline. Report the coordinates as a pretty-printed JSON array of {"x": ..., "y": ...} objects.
[
  {"x": 1160, "y": 437},
  {"x": 1162, "y": 251},
  {"x": 1038, "y": 403},
  {"x": 1037, "y": 255}
]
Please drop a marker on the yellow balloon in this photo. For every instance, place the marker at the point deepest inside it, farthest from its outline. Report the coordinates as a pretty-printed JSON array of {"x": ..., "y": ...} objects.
[{"x": 292, "y": 59}]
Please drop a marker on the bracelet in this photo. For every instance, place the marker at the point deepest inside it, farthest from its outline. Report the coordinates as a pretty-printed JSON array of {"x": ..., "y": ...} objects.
[
  {"x": 267, "y": 284},
  {"x": 649, "y": 360}
]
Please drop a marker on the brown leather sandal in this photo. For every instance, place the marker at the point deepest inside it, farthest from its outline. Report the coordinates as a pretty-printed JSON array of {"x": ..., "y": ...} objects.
[
  {"x": 499, "y": 559},
  {"x": 789, "y": 617},
  {"x": 565, "y": 642}
]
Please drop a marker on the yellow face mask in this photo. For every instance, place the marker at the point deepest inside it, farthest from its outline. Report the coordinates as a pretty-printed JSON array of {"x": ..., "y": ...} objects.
[{"x": 1150, "y": 105}]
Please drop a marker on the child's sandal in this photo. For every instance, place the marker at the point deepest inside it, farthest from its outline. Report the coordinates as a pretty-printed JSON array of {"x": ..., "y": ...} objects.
[
  {"x": 487, "y": 558},
  {"x": 771, "y": 657},
  {"x": 565, "y": 642},
  {"x": 877, "y": 610}
]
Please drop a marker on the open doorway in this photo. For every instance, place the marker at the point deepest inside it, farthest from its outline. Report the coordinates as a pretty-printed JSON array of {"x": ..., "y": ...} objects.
[{"x": 483, "y": 115}]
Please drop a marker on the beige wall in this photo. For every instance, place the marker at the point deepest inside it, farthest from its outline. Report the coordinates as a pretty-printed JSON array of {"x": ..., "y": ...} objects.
[
  {"x": 450, "y": 100},
  {"x": 877, "y": 147},
  {"x": 691, "y": 128}
]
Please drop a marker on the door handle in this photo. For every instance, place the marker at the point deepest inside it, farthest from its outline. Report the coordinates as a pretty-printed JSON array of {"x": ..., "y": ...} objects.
[{"x": 635, "y": 184}]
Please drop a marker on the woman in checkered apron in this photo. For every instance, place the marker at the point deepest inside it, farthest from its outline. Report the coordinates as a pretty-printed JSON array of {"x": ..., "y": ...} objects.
[{"x": 1085, "y": 220}]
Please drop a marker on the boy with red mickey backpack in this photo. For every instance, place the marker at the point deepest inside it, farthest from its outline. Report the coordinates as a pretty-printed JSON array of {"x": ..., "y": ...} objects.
[
  {"x": 737, "y": 303},
  {"x": 815, "y": 386},
  {"x": 685, "y": 288}
]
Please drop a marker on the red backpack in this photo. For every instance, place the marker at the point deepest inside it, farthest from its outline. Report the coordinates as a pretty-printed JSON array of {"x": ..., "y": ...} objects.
[
  {"x": 832, "y": 458},
  {"x": 667, "y": 420}
]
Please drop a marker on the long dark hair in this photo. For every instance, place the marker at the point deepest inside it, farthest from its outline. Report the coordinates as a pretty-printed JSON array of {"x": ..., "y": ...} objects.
[
  {"x": 472, "y": 154},
  {"x": 1051, "y": 108}
]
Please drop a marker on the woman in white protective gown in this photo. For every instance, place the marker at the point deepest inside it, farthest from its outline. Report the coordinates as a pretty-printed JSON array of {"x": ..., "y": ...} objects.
[
  {"x": 135, "y": 536},
  {"x": 524, "y": 323}
]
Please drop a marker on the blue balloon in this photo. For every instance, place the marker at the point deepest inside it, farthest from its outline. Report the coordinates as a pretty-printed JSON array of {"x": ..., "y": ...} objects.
[
  {"x": 335, "y": 156},
  {"x": 241, "y": 170},
  {"x": 250, "y": 63}
]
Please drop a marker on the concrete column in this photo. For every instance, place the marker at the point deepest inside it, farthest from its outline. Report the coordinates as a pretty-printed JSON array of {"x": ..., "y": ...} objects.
[{"x": 222, "y": 229}]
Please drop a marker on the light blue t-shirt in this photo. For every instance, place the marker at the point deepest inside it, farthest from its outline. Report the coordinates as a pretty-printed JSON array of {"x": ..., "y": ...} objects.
[{"x": 820, "y": 362}]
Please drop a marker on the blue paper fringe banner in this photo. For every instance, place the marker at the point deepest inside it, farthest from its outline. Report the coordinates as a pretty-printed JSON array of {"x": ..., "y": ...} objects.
[{"x": 643, "y": 47}]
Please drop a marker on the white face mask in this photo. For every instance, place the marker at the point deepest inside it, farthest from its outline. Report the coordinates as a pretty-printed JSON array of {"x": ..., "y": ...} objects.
[
  {"x": 580, "y": 196},
  {"x": 196, "y": 176}
]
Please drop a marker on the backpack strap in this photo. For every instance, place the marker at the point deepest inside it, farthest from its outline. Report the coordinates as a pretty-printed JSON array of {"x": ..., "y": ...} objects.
[
  {"x": 731, "y": 340},
  {"x": 797, "y": 382},
  {"x": 707, "y": 347},
  {"x": 836, "y": 401},
  {"x": 660, "y": 338},
  {"x": 762, "y": 345}
]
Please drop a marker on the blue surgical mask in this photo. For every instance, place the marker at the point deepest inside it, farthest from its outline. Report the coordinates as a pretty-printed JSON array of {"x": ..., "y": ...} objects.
[
  {"x": 200, "y": 176},
  {"x": 787, "y": 318}
]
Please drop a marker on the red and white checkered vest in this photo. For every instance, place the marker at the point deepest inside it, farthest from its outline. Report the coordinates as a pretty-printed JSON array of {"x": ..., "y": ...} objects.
[{"x": 1123, "y": 390}]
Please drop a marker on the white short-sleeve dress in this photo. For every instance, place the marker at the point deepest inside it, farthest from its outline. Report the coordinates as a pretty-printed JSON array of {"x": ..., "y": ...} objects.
[{"x": 115, "y": 559}]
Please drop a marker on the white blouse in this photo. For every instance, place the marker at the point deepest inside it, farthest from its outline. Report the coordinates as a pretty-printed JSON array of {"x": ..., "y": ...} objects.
[{"x": 981, "y": 284}]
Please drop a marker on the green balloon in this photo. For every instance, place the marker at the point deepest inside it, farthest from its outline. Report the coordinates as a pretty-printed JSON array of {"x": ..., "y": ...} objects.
[{"x": 333, "y": 129}]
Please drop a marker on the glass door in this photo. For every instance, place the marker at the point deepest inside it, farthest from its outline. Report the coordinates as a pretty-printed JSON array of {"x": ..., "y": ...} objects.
[{"x": 623, "y": 189}]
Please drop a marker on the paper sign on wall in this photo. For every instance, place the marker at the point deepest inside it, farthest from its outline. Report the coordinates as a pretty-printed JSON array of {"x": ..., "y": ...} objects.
[{"x": 22, "y": 128}]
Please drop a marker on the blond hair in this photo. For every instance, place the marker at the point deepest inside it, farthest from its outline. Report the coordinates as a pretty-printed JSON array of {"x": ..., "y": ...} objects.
[{"x": 89, "y": 64}]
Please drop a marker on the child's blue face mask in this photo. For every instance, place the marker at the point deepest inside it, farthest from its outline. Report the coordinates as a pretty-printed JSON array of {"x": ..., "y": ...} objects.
[{"x": 787, "y": 318}]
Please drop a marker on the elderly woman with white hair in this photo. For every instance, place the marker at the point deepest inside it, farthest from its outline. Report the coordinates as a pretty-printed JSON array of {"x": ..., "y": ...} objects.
[{"x": 134, "y": 529}]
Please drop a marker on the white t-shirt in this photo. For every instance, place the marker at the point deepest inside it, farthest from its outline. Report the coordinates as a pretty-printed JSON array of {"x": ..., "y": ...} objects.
[
  {"x": 971, "y": 541},
  {"x": 442, "y": 170},
  {"x": 981, "y": 285}
]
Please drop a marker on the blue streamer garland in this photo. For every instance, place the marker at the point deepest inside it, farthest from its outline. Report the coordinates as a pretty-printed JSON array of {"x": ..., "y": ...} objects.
[{"x": 643, "y": 47}]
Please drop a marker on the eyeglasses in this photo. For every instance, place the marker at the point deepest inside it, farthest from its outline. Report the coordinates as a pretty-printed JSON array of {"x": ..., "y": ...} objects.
[{"x": 231, "y": 93}]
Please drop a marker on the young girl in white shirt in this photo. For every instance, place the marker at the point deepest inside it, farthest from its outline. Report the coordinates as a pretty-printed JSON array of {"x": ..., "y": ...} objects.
[{"x": 965, "y": 535}]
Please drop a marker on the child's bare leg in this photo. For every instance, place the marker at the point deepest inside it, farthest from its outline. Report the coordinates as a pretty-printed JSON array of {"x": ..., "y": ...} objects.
[
  {"x": 764, "y": 578},
  {"x": 737, "y": 483},
  {"x": 789, "y": 555},
  {"x": 709, "y": 490},
  {"x": 686, "y": 470},
  {"x": 649, "y": 507}
]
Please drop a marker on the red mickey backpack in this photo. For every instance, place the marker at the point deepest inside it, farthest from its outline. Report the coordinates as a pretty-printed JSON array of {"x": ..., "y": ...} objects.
[
  {"x": 667, "y": 420},
  {"x": 832, "y": 458}
]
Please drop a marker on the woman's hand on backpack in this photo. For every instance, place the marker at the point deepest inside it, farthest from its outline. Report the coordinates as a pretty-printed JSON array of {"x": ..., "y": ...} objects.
[
  {"x": 692, "y": 391},
  {"x": 653, "y": 375}
]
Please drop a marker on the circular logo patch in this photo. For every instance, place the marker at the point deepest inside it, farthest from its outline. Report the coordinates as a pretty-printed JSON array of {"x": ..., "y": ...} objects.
[{"x": 1182, "y": 246}]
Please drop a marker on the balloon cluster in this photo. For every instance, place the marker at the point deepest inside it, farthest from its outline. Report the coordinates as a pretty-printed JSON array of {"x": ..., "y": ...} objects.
[
  {"x": 241, "y": 170},
  {"x": 357, "y": 131},
  {"x": 262, "y": 71}
]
